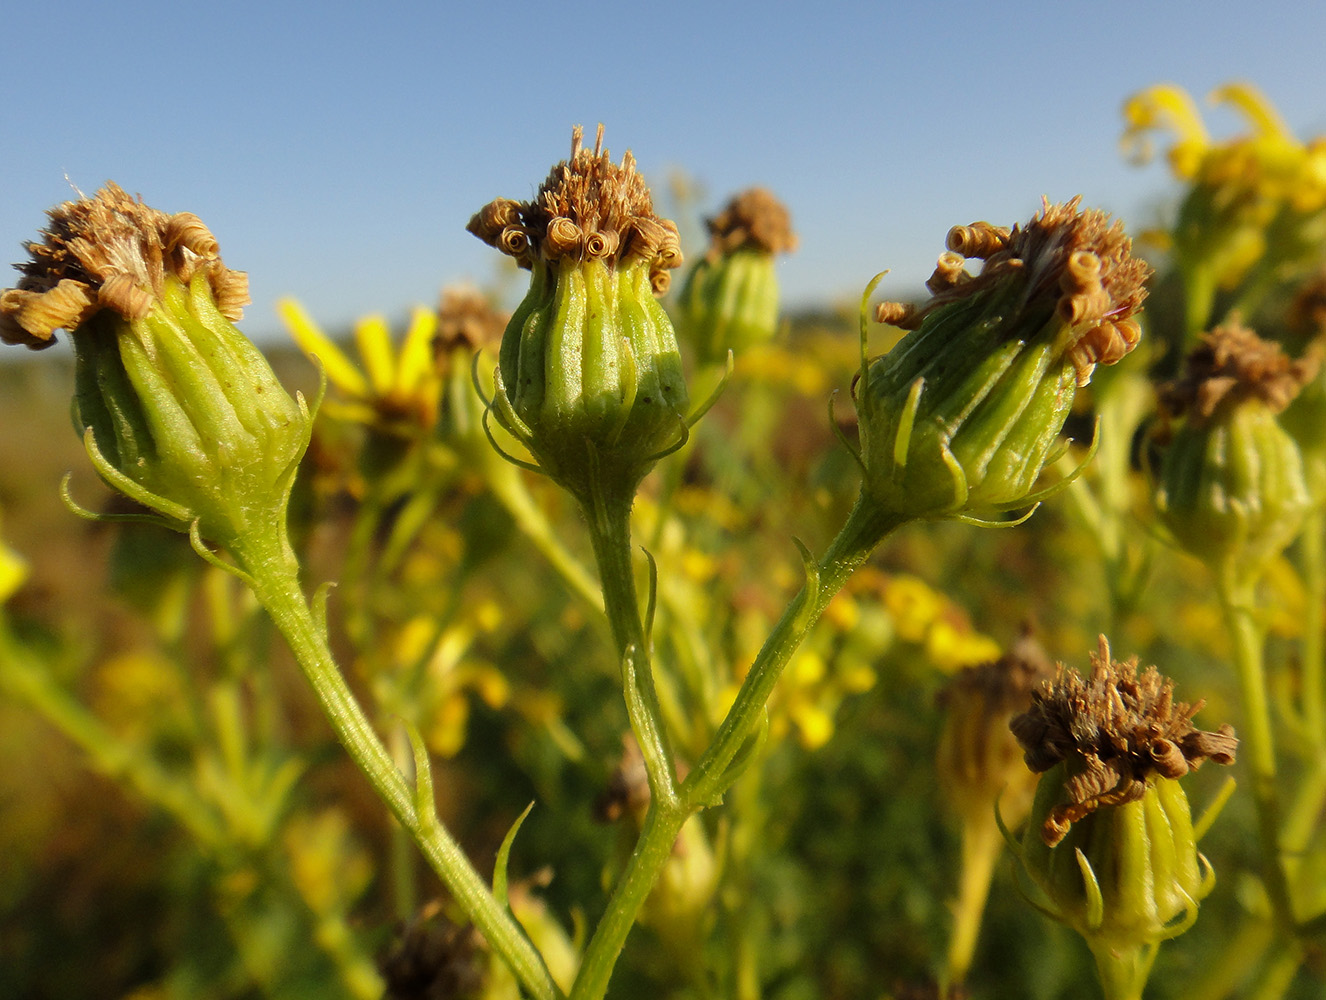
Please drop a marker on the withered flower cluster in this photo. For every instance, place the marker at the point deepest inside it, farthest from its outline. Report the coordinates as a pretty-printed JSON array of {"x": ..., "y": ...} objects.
[
  {"x": 587, "y": 208},
  {"x": 111, "y": 252},
  {"x": 1076, "y": 262},
  {"x": 1231, "y": 365},
  {"x": 467, "y": 321},
  {"x": 1114, "y": 732},
  {"x": 753, "y": 219}
]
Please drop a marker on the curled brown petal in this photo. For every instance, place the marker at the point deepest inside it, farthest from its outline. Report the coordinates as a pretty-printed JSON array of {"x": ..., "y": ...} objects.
[
  {"x": 123, "y": 294},
  {"x": 980, "y": 239},
  {"x": 561, "y": 239},
  {"x": 184, "y": 229}
]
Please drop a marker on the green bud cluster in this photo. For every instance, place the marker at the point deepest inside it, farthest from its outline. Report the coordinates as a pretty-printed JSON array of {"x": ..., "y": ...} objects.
[{"x": 962, "y": 415}]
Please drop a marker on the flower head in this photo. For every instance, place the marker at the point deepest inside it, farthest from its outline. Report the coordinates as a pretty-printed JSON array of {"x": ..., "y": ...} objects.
[
  {"x": 730, "y": 301},
  {"x": 395, "y": 391},
  {"x": 179, "y": 411},
  {"x": 1115, "y": 732},
  {"x": 589, "y": 378},
  {"x": 1229, "y": 480},
  {"x": 979, "y": 760},
  {"x": 1255, "y": 207},
  {"x": 963, "y": 412},
  {"x": 1111, "y": 840}
]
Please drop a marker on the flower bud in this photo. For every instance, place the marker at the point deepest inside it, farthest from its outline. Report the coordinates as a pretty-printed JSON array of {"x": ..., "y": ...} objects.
[
  {"x": 589, "y": 377},
  {"x": 1229, "y": 480},
  {"x": 180, "y": 412},
  {"x": 963, "y": 413},
  {"x": 730, "y": 300},
  {"x": 1110, "y": 840}
]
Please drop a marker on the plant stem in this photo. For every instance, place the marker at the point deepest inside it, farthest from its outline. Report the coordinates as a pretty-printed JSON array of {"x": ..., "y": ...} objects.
[
  {"x": 981, "y": 846},
  {"x": 610, "y": 530},
  {"x": 1258, "y": 736},
  {"x": 267, "y": 557},
  {"x": 864, "y": 529}
]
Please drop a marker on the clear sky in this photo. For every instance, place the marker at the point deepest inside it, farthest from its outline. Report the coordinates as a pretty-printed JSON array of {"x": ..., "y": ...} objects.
[{"x": 337, "y": 150}]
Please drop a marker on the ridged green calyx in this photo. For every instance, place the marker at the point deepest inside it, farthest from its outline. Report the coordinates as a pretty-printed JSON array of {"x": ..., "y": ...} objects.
[
  {"x": 730, "y": 299},
  {"x": 963, "y": 413},
  {"x": 1110, "y": 841},
  {"x": 1229, "y": 480},
  {"x": 178, "y": 409},
  {"x": 589, "y": 377}
]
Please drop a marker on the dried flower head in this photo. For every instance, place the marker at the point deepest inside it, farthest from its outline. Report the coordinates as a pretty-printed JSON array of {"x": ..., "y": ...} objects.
[
  {"x": 978, "y": 758},
  {"x": 1232, "y": 364},
  {"x": 753, "y": 219},
  {"x": 467, "y": 321},
  {"x": 111, "y": 252},
  {"x": 432, "y": 957},
  {"x": 588, "y": 207},
  {"x": 1073, "y": 260},
  {"x": 1306, "y": 314},
  {"x": 1114, "y": 732}
]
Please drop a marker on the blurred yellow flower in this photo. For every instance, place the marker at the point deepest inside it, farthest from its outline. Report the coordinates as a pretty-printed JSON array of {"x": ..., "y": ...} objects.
[
  {"x": 397, "y": 392},
  {"x": 13, "y": 571},
  {"x": 1240, "y": 188}
]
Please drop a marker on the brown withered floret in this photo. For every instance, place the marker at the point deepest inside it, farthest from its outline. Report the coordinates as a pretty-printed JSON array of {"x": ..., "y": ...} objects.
[
  {"x": 1114, "y": 731},
  {"x": 976, "y": 751},
  {"x": 1307, "y": 310},
  {"x": 587, "y": 208},
  {"x": 432, "y": 958},
  {"x": 1232, "y": 364},
  {"x": 111, "y": 251},
  {"x": 755, "y": 218},
  {"x": 466, "y": 321},
  {"x": 1076, "y": 259}
]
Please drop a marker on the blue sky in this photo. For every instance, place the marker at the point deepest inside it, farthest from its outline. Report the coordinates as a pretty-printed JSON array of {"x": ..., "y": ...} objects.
[{"x": 337, "y": 150}]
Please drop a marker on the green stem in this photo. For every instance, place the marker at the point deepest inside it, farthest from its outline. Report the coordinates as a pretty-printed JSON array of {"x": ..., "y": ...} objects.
[
  {"x": 1257, "y": 735},
  {"x": 981, "y": 846},
  {"x": 1313, "y": 554},
  {"x": 1123, "y": 974},
  {"x": 864, "y": 529},
  {"x": 266, "y": 556}
]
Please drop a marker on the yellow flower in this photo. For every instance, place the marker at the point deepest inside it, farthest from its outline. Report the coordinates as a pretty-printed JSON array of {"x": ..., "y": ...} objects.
[
  {"x": 1240, "y": 188},
  {"x": 13, "y": 571},
  {"x": 394, "y": 391}
]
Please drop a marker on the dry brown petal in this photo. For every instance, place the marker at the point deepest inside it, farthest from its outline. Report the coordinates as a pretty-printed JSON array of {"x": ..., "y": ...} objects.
[
  {"x": 1075, "y": 259},
  {"x": 111, "y": 251},
  {"x": 1231, "y": 365},
  {"x": 588, "y": 207},
  {"x": 753, "y": 219},
  {"x": 1114, "y": 731}
]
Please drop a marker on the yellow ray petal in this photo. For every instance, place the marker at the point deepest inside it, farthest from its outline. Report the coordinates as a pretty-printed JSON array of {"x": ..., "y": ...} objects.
[
  {"x": 374, "y": 340},
  {"x": 1260, "y": 113},
  {"x": 1164, "y": 106},
  {"x": 340, "y": 370},
  {"x": 416, "y": 361}
]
